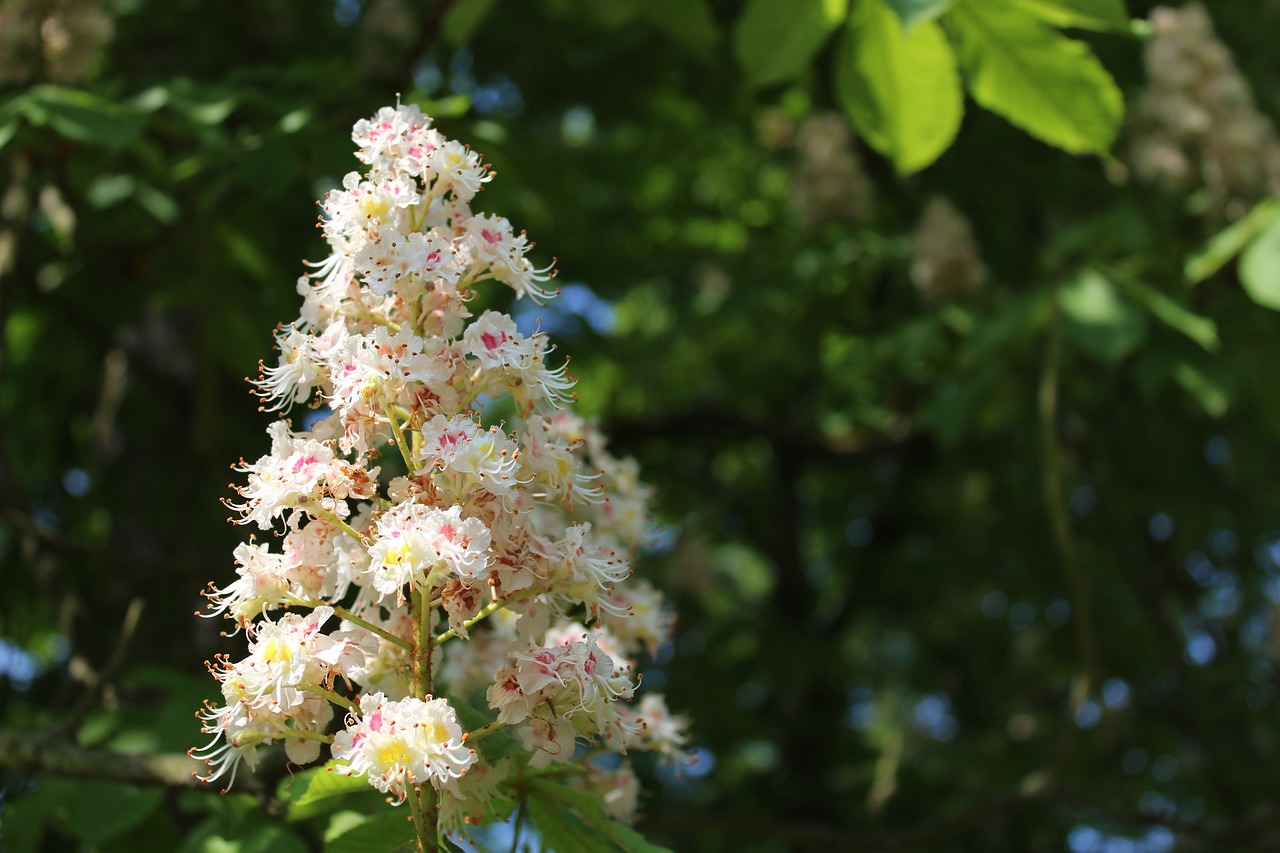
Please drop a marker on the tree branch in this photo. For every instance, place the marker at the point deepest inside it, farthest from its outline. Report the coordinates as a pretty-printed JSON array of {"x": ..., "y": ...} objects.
[{"x": 30, "y": 753}]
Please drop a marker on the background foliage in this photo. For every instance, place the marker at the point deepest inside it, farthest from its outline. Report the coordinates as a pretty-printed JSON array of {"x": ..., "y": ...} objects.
[{"x": 972, "y": 527}]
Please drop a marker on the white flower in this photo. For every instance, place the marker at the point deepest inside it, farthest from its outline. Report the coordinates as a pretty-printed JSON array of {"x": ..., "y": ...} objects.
[
  {"x": 415, "y": 542},
  {"x": 397, "y": 744},
  {"x": 496, "y": 246},
  {"x": 458, "y": 445}
]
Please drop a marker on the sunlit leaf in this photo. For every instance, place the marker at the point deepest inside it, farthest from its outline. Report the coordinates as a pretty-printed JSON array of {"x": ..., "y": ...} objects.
[
  {"x": 1260, "y": 267},
  {"x": 1085, "y": 14},
  {"x": 900, "y": 87},
  {"x": 1050, "y": 86}
]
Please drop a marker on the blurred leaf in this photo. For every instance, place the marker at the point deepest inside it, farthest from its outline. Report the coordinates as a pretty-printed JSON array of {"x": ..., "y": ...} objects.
[
  {"x": 899, "y": 87},
  {"x": 159, "y": 205},
  {"x": 775, "y": 40},
  {"x": 82, "y": 116},
  {"x": 215, "y": 836},
  {"x": 247, "y": 254},
  {"x": 1260, "y": 266},
  {"x": 1098, "y": 319},
  {"x": 1050, "y": 86},
  {"x": 463, "y": 19},
  {"x": 107, "y": 190},
  {"x": 951, "y": 411},
  {"x": 93, "y": 812},
  {"x": 1198, "y": 328},
  {"x": 202, "y": 103},
  {"x": 914, "y": 11},
  {"x": 1228, "y": 242},
  {"x": 380, "y": 833},
  {"x": 1207, "y": 385},
  {"x": 8, "y": 128},
  {"x": 688, "y": 22},
  {"x": 1085, "y": 14}
]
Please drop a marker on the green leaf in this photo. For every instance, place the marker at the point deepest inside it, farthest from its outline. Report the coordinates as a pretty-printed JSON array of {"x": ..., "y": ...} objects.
[
  {"x": 590, "y": 810},
  {"x": 1228, "y": 242},
  {"x": 1260, "y": 267},
  {"x": 899, "y": 87},
  {"x": 914, "y": 11},
  {"x": 775, "y": 40},
  {"x": 82, "y": 116},
  {"x": 1178, "y": 317},
  {"x": 1085, "y": 14},
  {"x": 1052, "y": 87},
  {"x": 374, "y": 835},
  {"x": 311, "y": 786},
  {"x": 689, "y": 22},
  {"x": 158, "y": 204},
  {"x": 563, "y": 831},
  {"x": 462, "y": 21},
  {"x": 1098, "y": 319}
]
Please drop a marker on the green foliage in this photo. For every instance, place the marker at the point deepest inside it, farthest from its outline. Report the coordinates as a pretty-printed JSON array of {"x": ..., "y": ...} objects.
[{"x": 573, "y": 820}]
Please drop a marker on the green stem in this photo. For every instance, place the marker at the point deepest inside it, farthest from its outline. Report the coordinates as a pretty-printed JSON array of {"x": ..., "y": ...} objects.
[
  {"x": 426, "y": 807},
  {"x": 346, "y": 614},
  {"x": 1077, "y": 586},
  {"x": 488, "y": 610},
  {"x": 335, "y": 698},
  {"x": 484, "y": 731},
  {"x": 400, "y": 443},
  {"x": 301, "y": 734},
  {"x": 426, "y": 843},
  {"x": 515, "y": 832},
  {"x": 326, "y": 515}
]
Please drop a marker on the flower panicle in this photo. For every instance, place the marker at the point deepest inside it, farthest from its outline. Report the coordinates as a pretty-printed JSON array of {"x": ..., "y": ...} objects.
[{"x": 426, "y": 560}]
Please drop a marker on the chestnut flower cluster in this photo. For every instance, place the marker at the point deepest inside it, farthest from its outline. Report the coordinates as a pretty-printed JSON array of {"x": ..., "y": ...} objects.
[
  {"x": 1197, "y": 124},
  {"x": 447, "y": 533},
  {"x": 946, "y": 262}
]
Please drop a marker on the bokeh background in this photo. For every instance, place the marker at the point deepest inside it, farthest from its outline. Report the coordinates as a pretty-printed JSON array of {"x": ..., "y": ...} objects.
[{"x": 965, "y": 468}]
